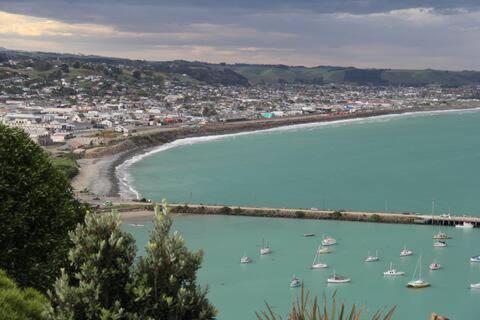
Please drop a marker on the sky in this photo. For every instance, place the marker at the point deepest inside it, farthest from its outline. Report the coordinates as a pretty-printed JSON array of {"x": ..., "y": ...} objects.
[{"x": 408, "y": 34}]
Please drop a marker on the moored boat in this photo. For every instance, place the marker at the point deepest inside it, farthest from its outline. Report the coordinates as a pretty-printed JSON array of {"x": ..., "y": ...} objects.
[
  {"x": 370, "y": 258},
  {"x": 465, "y": 225},
  {"x": 392, "y": 272},
  {"x": 441, "y": 236},
  {"x": 475, "y": 259},
  {"x": 295, "y": 282},
  {"x": 440, "y": 244},
  {"x": 328, "y": 241},
  {"x": 309, "y": 234},
  {"x": 245, "y": 259},
  {"x": 419, "y": 283},
  {"x": 335, "y": 278},
  {"x": 405, "y": 252},
  {"x": 323, "y": 250},
  {"x": 475, "y": 285},
  {"x": 434, "y": 266},
  {"x": 316, "y": 264},
  {"x": 265, "y": 249}
]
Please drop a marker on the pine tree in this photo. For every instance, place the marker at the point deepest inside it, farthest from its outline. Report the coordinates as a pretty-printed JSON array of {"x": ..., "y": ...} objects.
[
  {"x": 97, "y": 283},
  {"x": 165, "y": 277}
]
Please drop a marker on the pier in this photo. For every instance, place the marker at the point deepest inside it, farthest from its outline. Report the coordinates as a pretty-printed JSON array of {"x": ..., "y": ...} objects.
[{"x": 143, "y": 209}]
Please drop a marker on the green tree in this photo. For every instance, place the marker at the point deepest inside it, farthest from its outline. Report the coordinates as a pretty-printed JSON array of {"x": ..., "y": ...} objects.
[
  {"x": 20, "y": 304},
  {"x": 103, "y": 282},
  {"x": 165, "y": 277},
  {"x": 137, "y": 74},
  {"x": 37, "y": 209},
  {"x": 97, "y": 284}
]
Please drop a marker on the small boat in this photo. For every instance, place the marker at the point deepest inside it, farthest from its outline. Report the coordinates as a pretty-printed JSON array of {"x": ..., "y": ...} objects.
[
  {"x": 405, "y": 252},
  {"x": 295, "y": 282},
  {"x": 265, "y": 249},
  {"x": 475, "y": 286},
  {"x": 434, "y": 266},
  {"x": 475, "y": 259},
  {"x": 309, "y": 234},
  {"x": 370, "y": 258},
  {"x": 419, "y": 283},
  {"x": 335, "y": 278},
  {"x": 324, "y": 250},
  {"x": 465, "y": 225},
  {"x": 440, "y": 244},
  {"x": 316, "y": 264},
  {"x": 441, "y": 236},
  {"x": 245, "y": 259},
  {"x": 328, "y": 241},
  {"x": 392, "y": 272}
]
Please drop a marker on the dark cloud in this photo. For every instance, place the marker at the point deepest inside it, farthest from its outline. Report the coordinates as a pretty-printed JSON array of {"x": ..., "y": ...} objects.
[{"x": 390, "y": 33}]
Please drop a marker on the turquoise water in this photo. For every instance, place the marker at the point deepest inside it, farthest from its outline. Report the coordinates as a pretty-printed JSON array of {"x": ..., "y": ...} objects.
[
  {"x": 393, "y": 163},
  {"x": 240, "y": 290}
]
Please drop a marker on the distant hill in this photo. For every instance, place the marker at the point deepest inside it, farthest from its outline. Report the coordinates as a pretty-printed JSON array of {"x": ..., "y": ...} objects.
[{"x": 253, "y": 74}]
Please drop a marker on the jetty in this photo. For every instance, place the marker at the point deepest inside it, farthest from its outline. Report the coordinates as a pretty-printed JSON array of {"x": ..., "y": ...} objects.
[{"x": 137, "y": 209}]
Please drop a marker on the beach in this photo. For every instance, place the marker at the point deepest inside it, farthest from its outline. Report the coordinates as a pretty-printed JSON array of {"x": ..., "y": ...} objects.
[{"x": 98, "y": 169}]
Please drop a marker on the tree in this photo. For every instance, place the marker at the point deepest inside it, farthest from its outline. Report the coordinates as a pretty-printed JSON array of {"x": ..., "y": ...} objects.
[
  {"x": 166, "y": 277},
  {"x": 37, "y": 209},
  {"x": 97, "y": 284},
  {"x": 20, "y": 304},
  {"x": 64, "y": 67},
  {"x": 137, "y": 74},
  {"x": 103, "y": 282},
  {"x": 76, "y": 64}
]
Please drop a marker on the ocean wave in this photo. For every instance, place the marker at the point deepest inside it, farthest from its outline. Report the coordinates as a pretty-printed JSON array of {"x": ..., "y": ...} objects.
[{"x": 126, "y": 181}]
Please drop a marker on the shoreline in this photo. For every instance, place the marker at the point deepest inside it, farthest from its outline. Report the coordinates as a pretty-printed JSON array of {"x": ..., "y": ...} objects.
[{"x": 98, "y": 170}]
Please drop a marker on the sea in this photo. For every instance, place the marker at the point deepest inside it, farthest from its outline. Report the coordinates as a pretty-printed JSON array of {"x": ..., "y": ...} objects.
[{"x": 422, "y": 162}]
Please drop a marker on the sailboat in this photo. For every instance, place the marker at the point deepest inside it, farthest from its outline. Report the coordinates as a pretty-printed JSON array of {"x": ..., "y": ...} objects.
[
  {"x": 265, "y": 249},
  {"x": 419, "y": 283},
  {"x": 328, "y": 241},
  {"x": 316, "y": 264},
  {"x": 392, "y": 272},
  {"x": 245, "y": 259},
  {"x": 440, "y": 244},
  {"x": 440, "y": 235},
  {"x": 295, "y": 282},
  {"x": 405, "y": 252},
  {"x": 370, "y": 258}
]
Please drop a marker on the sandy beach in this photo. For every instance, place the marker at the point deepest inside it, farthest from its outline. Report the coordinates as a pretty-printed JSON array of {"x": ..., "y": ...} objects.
[
  {"x": 96, "y": 175},
  {"x": 97, "y": 172}
]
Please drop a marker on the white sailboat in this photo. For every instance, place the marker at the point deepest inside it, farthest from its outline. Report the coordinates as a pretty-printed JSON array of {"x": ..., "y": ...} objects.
[
  {"x": 434, "y": 266},
  {"x": 295, "y": 282},
  {"x": 316, "y": 264},
  {"x": 370, "y": 258},
  {"x": 328, "y": 241},
  {"x": 392, "y": 272},
  {"x": 405, "y": 252},
  {"x": 440, "y": 244},
  {"x": 265, "y": 249},
  {"x": 419, "y": 283},
  {"x": 245, "y": 259}
]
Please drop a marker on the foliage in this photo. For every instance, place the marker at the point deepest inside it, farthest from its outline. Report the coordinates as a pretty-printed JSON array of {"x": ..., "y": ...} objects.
[
  {"x": 300, "y": 214},
  {"x": 20, "y": 304},
  {"x": 165, "y": 279},
  {"x": 37, "y": 209},
  {"x": 305, "y": 309},
  {"x": 98, "y": 278},
  {"x": 104, "y": 282},
  {"x": 225, "y": 210},
  {"x": 375, "y": 218},
  {"x": 336, "y": 214},
  {"x": 66, "y": 165}
]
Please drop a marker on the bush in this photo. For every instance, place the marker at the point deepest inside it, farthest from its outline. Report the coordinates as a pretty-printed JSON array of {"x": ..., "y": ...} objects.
[
  {"x": 68, "y": 166},
  {"x": 237, "y": 211},
  {"x": 20, "y": 304},
  {"x": 300, "y": 214},
  {"x": 375, "y": 218},
  {"x": 225, "y": 210},
  {"x": 37, "y": 209},
  {"x": 336, "y": 214}
]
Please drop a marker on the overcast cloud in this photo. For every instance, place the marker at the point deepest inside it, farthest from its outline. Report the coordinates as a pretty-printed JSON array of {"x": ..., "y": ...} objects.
[{"x": 365, "y": 33}]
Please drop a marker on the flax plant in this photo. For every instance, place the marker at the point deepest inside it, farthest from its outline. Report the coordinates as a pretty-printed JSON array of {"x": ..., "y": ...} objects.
[{"x": 304, "y": 309}]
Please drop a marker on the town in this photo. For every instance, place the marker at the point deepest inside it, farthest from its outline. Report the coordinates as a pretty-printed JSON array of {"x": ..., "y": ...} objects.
[{"x": 79, "y": 105}]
